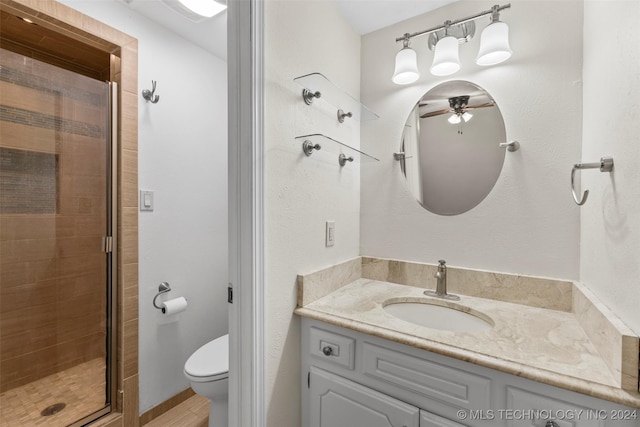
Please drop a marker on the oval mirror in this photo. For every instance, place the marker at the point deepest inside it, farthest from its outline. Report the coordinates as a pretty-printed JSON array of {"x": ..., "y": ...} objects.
[{"x": 452, "y": 158}]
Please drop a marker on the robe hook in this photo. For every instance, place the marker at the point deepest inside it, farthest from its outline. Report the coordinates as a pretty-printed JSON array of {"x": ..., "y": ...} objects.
[{"x": 149, "y": 94}]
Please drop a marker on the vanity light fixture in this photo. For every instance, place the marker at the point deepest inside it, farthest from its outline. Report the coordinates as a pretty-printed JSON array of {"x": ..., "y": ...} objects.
[
  {"x": 406, "y": 69},
  {"x": 446, "y": 59},
  {"x": 445, "y": 39},
  {"x": 494, "y": 42}
]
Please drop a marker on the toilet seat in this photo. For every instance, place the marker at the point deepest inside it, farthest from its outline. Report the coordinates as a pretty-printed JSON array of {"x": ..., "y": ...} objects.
[{"x": 210, "y": 362}]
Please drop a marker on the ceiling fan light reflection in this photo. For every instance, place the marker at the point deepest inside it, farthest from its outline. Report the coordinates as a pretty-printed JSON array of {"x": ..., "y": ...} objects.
[{"x": 454, "y": 119}]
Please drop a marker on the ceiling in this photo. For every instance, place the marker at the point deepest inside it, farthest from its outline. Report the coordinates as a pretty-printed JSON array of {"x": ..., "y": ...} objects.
[
  {"x": 364, "y": 15},
  {"x": 209, "y": 34}
]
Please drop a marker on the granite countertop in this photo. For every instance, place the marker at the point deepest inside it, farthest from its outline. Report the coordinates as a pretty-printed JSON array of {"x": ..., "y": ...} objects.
[{"x": 545, "y": 345}]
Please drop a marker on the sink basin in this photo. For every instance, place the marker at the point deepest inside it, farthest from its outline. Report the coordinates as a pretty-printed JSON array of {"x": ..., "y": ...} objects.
[{"x": 446, "y": 318}]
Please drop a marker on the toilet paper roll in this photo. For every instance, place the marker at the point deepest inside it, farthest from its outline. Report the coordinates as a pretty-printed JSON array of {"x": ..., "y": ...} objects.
[{"x": 174, "y": 306}]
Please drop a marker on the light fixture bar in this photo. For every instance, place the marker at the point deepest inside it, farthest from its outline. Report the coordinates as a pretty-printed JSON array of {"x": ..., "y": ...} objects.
[{"x": 493, "y": 10}]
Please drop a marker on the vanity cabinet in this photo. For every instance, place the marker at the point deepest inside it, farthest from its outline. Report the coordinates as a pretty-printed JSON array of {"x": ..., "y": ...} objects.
[
  {"x": 428, "y": 419},
  {"x": 336, "y": 401},
  {"x": 351, "y": 379}
]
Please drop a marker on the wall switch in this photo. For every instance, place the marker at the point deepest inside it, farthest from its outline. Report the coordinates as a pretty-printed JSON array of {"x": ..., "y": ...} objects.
[
  {"x": 146, "y": 200},
  {"x": 330, "y": 235}
]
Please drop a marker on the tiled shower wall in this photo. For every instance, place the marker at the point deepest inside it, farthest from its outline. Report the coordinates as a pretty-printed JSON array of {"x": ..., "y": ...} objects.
[{"x": 52, "y": 268}]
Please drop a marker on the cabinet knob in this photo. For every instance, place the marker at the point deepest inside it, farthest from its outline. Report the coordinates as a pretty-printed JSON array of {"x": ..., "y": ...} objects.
[
  {"x": 551, "y": 423},
  {"x": 328, "y": 351}
]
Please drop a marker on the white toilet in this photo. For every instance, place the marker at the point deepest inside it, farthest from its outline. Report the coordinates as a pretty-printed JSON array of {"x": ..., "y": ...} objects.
[{"x": 208, "y": 371}]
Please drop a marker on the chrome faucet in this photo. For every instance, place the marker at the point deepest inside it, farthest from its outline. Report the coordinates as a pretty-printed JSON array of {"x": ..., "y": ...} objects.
[
  {"x": 441, "y": 276},
  {"x": 441, "y": 283}
]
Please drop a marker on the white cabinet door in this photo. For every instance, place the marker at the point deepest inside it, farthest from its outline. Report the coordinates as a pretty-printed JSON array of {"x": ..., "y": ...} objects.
[
  {"x": 427, "y": 419},
  {"x": 529, "y": 409},
  {"x": 338, "y": 402}
]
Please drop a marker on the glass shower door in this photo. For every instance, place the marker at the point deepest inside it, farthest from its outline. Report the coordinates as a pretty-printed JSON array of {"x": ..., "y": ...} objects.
[{"x": 54, "y": 265}]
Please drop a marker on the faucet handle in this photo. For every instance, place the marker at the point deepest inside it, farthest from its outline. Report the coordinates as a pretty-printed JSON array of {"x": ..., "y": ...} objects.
[{"x": 442, "y": 262}]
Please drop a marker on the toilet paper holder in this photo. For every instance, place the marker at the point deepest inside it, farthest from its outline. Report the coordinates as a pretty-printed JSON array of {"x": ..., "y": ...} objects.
[{"x": 163, "y": 288}]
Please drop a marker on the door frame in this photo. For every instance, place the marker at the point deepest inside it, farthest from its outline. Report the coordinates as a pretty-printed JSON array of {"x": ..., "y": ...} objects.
[{"x": 245, "y": 29}]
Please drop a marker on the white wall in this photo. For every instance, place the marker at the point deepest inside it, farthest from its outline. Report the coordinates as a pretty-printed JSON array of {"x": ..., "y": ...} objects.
[
  {"x": 183, "y": 159},
  {"x": 301, "y": 192},
  {"x": 610, "y": 225},
  {"x": 529, "y": 223}
]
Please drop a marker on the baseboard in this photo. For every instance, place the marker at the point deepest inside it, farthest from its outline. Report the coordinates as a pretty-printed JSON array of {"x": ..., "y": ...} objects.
[{"x": 165, "y": 406}]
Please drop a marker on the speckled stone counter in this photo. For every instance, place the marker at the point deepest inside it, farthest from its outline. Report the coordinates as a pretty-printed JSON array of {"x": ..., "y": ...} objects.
[{"x": 587, "y": 351}]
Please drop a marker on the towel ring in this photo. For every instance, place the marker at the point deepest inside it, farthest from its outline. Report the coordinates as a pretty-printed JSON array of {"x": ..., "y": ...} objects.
[{"x": 605, "y": 165}]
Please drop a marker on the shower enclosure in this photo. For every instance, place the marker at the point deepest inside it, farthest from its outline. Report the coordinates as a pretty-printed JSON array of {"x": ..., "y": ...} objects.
[{"x": 56, "y": 247}]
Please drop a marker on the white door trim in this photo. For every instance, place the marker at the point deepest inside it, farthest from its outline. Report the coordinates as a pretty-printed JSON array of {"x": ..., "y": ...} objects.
[{"x": 246, "y": 213}]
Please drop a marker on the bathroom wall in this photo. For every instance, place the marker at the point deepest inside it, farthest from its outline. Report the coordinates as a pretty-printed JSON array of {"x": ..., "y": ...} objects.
[
  {"x": 183, "y": 159},
  {"x": 301, "y": 192},
  {"x": 529, "y": 223},
  {"x": 610, "y": 226}
]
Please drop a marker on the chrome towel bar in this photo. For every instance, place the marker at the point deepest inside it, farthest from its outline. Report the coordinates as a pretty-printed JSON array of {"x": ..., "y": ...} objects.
[{"x": 605, "y": 165}]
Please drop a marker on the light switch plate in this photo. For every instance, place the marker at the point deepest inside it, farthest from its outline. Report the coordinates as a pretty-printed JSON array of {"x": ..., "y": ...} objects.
[
  {"x": 330, "y": 234},
  {"x": 146, "y": 200}
]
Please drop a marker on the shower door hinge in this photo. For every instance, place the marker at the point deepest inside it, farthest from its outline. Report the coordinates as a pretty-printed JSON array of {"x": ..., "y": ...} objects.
[{"x": 107, "y": 244}]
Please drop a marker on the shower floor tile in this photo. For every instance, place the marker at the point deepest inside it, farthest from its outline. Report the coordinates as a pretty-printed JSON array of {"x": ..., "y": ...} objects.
[{"x": 81, "y": 389}]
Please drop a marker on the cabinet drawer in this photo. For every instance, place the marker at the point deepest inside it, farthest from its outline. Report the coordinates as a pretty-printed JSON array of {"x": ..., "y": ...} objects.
[
  {"x": 527, "y": 409},
  {"x": 427, "y": 419},
  {"x": 432, "y": 380},
  {"x": 331, "y": 347}
]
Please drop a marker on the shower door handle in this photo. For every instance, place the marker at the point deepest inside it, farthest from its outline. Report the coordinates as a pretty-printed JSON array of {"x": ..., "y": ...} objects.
[{"x": 107, "y": 244}]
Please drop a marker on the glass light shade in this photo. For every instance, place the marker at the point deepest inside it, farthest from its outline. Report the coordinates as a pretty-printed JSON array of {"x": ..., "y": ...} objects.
[
  {"x": 445, "y": 59},
  {"x": 205, "y": 8},
  {"x": 467, "y": 116},
  {"x": 454, "y": 119},
  {"x": 494, "y": 44},
  {"x": 406, "y": 70}
]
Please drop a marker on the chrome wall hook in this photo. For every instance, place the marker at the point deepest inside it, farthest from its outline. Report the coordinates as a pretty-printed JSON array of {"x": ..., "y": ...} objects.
[
  {"x": 342, "y": 115},
  {"x": 308, "y": 147},
  {"x": 342, "y": 159},
  {"x": 605, "y": 165},
  {"x": 308, "y": 96},
  {"x": 149, "y": 95}
]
